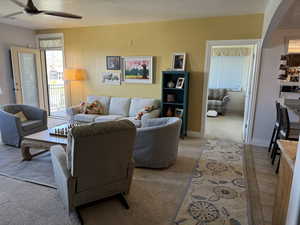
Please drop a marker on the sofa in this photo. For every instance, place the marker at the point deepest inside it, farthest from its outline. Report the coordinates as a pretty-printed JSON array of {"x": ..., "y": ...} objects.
[
  {"x": 156, "y": 144},
  {"x": 97, "y": 163},
  {"x": 217, "y": 100},
  {"x": 116, "y": 108},
  {"x": 13, "y": 130}
]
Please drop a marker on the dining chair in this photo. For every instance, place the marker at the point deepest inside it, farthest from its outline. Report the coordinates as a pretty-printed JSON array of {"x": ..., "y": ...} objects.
[
  {"x": 287, "y": 131},
  {"x": 276, "y": 127}
]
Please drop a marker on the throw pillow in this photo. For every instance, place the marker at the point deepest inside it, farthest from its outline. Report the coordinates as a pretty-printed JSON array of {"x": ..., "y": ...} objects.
[
  {"x": 94, "y": 108},
  {"x": 21, "y": 116},
  {"x": 147, "y": 109},
  {"x": 82, "y": 107}
]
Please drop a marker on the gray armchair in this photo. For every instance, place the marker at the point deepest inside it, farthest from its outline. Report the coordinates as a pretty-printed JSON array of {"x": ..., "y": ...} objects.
[
  {"x": 13, "y": 130},
  {"x": 156, "y": 144},
  {"x": 217, "y": 100},
  {"x": 97, "y": 163}
]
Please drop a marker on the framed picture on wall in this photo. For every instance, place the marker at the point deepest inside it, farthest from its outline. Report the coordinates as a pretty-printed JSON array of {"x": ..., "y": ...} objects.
[
  {"x": 113, "y": 62},
  {"x": 138, "y": 69},
  {"x": 178, "y": 61},
  {"x": 111, "y": 78}
]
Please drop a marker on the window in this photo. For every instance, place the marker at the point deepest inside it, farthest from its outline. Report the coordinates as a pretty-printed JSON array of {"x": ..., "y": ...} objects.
[{"x": 294, "y": 46}]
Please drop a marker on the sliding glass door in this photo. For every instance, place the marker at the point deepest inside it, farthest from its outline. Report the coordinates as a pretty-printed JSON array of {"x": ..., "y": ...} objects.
[{"x": 55, "y": 82}]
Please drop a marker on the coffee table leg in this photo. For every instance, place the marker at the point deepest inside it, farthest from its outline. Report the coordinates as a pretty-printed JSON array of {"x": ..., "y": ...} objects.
[{"x": 26, "y": 153}]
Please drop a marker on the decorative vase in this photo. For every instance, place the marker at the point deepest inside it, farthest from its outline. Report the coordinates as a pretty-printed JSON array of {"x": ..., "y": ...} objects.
[
  {"x": 169, "y": 112},
  {"x": 171, "y": 84}
]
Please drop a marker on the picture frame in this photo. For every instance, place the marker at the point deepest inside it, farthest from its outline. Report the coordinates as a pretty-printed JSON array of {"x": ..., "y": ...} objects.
[
  {"x": 180, "y": 82},
  {"x": 113, "y": 62},
  {"x": 178, "y": 113},
  {"x": 178, "y": 61},
  {"x": 138, "y": 69},
  {"x": 111, "y": 78}
]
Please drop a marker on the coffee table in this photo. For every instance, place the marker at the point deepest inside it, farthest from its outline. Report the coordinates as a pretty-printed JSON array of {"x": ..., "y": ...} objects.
[{"x": 43, "y": 140}]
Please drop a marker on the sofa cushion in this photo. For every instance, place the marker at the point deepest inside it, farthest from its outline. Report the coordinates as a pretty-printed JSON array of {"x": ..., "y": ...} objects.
[
  {"x": 31, "y": 124},
  {"x": 106, "y": 118},
  {"x": 214, "y": 103},
  {"x": 87, "y": 118},
  {"x": 137, "y": 123},
  {"x": 104, "y": 100},
  {"x": 138, "y": 104},
  {"x": 119, "y": 106}
]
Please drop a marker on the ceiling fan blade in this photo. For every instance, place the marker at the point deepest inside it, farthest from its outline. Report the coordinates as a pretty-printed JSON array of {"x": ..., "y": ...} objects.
[
  {"x": 21, "y": 4},
  {"x": 12, "y": 14},
  {"x": 61, "y": 14}
]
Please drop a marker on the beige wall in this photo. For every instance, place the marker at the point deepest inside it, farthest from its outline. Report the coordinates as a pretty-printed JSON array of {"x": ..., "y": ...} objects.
[
  {"x": 11, "y": 36},
  {"x": 88, "y": 47}
]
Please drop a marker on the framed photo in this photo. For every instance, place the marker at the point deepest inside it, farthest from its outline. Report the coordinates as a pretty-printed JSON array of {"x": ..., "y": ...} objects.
[
  {"x": 179, "y": 112},
  {"x": 111, "y": 78},
  {"x": 113, "y": 62},
  {"x": 180, "y": 82},
  {"x": 138, "y": 69},
  {"x": 178, "y": 61}
]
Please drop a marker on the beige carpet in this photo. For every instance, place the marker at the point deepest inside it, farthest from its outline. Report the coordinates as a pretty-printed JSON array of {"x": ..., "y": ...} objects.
[
  {"x": 227, "y": 127},
  {"x": 154, "y": 198}
]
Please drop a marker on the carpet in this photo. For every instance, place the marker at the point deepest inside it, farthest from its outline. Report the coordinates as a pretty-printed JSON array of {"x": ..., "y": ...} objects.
[
  {"x": 217, "y": 194},
  {"x": 38, "y": 170},
  {"x": 153, "y": 198}
]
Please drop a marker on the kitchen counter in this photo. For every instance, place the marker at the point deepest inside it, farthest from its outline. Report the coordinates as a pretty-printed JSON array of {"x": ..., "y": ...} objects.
[{"x": 289, "y": 151}]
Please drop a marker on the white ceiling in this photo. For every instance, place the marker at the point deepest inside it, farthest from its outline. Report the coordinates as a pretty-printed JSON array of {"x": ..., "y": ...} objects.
[
  {"x": 103, "y": 12},
  {"x": 292, "y": 17}
]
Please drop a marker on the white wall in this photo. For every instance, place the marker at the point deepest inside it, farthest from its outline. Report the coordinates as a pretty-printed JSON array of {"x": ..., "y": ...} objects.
[
  {"x": 11, "y": 36},
  {"x": 268, "y": 90}
]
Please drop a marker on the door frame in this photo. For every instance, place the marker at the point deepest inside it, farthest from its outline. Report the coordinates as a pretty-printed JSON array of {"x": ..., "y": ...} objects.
[{"x": 253, "y": 84}]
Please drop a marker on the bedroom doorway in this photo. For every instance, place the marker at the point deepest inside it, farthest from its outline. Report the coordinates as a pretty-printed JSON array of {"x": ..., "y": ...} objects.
[{"x": 230, "y": 83}]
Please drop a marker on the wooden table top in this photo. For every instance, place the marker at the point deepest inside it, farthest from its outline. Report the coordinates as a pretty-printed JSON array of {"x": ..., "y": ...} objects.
[
  {"x": 44, "y": 136},
  {"x": 289, "y": 151}
]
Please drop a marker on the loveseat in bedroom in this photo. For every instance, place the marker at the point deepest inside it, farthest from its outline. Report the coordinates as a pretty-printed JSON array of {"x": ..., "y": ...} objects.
[{"x": 115, "y": 108}]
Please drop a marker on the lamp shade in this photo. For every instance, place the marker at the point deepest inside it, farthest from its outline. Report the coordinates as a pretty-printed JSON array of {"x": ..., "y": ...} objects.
[{"x": 74, "y": 74}]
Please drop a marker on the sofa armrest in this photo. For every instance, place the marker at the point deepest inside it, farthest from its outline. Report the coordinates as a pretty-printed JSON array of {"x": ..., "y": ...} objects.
[
  {"x": 226, "y": 99},
  {"x": 59, "y": 161},
  {"x": 73, "y": 110},
  {"x": 150, "y": 115}
]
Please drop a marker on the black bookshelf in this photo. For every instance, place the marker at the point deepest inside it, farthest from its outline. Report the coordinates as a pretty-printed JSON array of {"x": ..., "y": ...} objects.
[{"x": 175, "y": 100}]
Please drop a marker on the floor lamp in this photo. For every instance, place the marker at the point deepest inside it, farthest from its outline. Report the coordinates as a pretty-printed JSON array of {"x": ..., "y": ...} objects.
[{"x": 72, "y": 74}]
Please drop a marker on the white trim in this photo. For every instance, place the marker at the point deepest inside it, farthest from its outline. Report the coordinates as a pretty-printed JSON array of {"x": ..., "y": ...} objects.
[
  {"x": 193, "y": 134},
  {"x": 254, "y": 83}
]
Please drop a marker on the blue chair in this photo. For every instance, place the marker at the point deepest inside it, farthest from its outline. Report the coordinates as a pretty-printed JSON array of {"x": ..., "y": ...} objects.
[{"x": 13, "y": 130}]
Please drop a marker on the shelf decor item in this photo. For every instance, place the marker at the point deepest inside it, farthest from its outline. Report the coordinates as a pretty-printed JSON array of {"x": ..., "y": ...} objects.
[
  {"x": 138, "y": 69},
  {"x": 180, "y": 82},
  {"x": 178, "y": 61},
  {"x": 171, "y": 84},
  {"x": 113, "y": 62},
  {"x": 178, "y": 107}
]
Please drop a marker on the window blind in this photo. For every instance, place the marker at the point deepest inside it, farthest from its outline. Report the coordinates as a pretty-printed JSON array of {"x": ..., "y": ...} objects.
[{"x": 294, "y": 46}]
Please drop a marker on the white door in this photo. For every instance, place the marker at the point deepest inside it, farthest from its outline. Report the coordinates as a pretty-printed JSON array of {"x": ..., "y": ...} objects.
[
  {"x": 248, "y": 96},
  {"x": 27, "y": 74}
]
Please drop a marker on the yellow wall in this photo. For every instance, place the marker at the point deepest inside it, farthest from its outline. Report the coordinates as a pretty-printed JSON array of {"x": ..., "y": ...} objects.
[{"x": 88, "y": 47}]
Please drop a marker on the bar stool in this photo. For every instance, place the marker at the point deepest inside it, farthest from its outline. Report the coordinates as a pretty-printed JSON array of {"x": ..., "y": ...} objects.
[
  {"x": 286, "y": 132},
  {"x": 276, "y": 127}
]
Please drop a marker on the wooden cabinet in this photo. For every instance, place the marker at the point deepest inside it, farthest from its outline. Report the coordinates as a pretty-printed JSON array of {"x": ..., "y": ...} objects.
[{"x": 288, "y": 155}]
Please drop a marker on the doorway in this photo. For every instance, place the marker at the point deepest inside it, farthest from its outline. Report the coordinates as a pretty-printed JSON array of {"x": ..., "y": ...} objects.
[{"x": 231, "y": 77}]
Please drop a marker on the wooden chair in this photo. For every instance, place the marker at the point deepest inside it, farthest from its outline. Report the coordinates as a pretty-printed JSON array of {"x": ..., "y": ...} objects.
[
  {"x": 287, "y": 131},
  {"x": 276, "y": 127}
]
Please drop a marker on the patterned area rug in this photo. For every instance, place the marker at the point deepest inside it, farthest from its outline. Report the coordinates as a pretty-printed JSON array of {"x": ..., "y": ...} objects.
[{"x": 217, "y": 194}]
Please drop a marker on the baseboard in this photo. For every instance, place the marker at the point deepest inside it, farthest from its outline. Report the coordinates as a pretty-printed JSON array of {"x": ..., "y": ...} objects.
[
  {"x": 260, "y": 142},
  {"x": 193, "y": 134}
]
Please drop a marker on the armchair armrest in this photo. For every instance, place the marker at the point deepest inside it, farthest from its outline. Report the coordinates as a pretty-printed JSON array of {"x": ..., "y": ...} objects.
[
  {"x": 10, "y": 124},
  {"x": 226, "y": 99},
  {"x": 150, "y": 115}
]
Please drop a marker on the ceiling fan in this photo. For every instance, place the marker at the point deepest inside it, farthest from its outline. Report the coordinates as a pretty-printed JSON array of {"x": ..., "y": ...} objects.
[{"x": 31, "y": 9}]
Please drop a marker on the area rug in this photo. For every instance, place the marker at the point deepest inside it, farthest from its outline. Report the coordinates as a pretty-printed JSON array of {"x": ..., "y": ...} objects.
[
  {"x": 217, "y": 193},
  {"x": 38, "y": 170}
]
